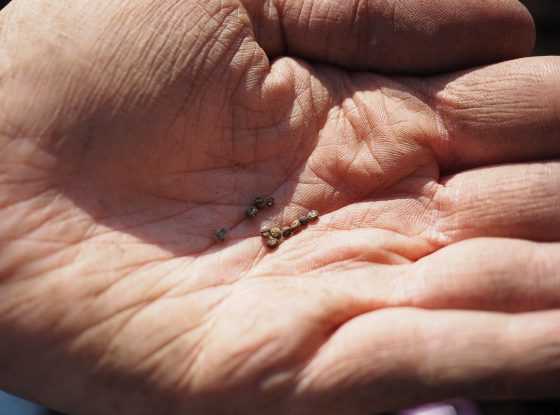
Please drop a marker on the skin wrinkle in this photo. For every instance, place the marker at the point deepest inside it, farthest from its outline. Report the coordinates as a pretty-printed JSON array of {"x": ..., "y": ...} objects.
[
  {"x": 160, "y": 51},
  {"x": 308, "y": 375},
  {"x": 536, "y": 264},
  {"x": 357, "y": 252},
  {"x": 434, "y": 243},
  {"x": 267, "y": 25},
  {"x": 147, "y": 375},
  {"x": 487, "y": 286},
  {"x": 158, "y": 350},
  {"x": 194, "y": 284},
  {"x": 459, "y": 107},
  {"x": 130, "y": 272},
  {"x": 433, "y": 212},
  {"x": 190, "y": 367},
  {"x": 234, "y": 52},
  {"x": 25, "y": 160},
  {"x": 330, "y": 6},
  {"x": 486, "y": 213},
  {"x": 115, "y": 58},
  {"x": 365, "y": 250},
  {"x": 232, "y": 141},
  {"x": 186, "y": 104},
  {"x": 320, "y": 123},
  {"x": 149, "y": 45},
  {"x": 135, "y": 308},
  {"x": 378, "y": 256},
  {"x": 363, "y": 143},
  {"x": 264, "y": 340},
  {"x": 48, "y": 214},
  {"x": 22, "y": 201}
]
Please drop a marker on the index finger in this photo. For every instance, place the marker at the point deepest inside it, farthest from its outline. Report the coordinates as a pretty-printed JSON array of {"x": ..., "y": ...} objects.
[{"x": 395, "y": 36}]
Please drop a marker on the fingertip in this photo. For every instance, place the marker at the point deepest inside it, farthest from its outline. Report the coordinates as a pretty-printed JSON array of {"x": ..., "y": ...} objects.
[
  {"x": 521, "y": 20},
  {"x": 421, "y": 37}
]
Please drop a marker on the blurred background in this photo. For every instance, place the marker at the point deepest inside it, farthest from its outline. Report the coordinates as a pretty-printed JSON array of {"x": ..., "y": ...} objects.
[{"x": 547, "y": 16}]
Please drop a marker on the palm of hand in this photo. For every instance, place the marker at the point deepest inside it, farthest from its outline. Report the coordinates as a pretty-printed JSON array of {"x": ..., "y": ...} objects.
[{"x": 134, "y": 182}]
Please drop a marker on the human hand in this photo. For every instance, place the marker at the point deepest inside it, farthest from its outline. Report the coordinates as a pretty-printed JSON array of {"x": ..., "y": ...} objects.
[{"x": 132, "y": 130}]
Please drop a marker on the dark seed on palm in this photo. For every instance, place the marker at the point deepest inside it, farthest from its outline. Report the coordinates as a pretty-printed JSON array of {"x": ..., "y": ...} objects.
[
  {"x": 260, "y": 202},
  {"x": 265, "y": 232},
  {"x": 276, "y": 233},
  {"x": 304, "y": 220},
  {"x": 313, "y": 215},
  {"x": 221, "y": 234},
  {"x": 251, "y": 212},
  {"x": 287, "y": 232},
  {"x": 269, "y": 201},
  {"x": 272, "y": 242}
]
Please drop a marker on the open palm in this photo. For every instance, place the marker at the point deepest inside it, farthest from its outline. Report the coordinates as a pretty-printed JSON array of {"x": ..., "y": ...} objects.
[{"x": 131, "y": 132}]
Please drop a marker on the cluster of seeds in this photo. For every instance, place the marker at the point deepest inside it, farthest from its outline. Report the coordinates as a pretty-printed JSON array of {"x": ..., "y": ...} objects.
[
  {"x": 259, "y": 204},
  {"x": 275, "y": 235}
]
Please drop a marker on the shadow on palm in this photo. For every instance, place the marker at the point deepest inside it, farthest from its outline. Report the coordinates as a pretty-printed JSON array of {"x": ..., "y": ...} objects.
[{"x": 353, "y": 146}]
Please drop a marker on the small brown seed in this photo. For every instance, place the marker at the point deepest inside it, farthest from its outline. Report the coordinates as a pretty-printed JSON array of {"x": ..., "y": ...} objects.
[
  {"x": 269, "y": 201},
  {"x": 260, "y": 202},
  {"x": 313, "y": 216},
  {"x": 276, "y": 233},
  {"x": 287, "y": 232},
  {"x": 272, "y": 242},
  {"x": 221, "y": 234},
  {"x": 265, "y": 232},
  {"x": 304, "y": 220},
  {"x": 251, "y": 212}
]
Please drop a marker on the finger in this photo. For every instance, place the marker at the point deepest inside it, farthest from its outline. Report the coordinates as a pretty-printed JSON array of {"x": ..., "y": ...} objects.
[
  {"x": 488, "y": 274},
  {"x": 515, "y": 201},
  {"x": 501, "y": 113},
  {"x": 399, "y": 357},
  {"x": 411, "y": 36},
  {"x": 484, "y": 274}
]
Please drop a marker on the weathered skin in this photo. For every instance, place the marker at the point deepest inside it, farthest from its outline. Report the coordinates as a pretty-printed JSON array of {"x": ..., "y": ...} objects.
[{"x": 132, "y": 129}]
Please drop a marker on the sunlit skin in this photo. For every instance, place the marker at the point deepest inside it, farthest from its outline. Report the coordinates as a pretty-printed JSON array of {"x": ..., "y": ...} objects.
[{"x": 131, "y": 131}]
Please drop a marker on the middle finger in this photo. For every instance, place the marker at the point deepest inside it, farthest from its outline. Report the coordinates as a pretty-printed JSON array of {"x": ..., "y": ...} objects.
[{"x": 502, "y": 113}]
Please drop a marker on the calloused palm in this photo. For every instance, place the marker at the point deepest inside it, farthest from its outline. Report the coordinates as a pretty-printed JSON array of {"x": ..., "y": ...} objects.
[{"x": 131, "y": 131}]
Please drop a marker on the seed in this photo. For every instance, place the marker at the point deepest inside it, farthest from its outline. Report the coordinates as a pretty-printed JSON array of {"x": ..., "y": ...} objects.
[
  {"x": 313, "y": 216},
  {"x": 304, "y": 220},
  {"x": 260, "y": 202},
  {"x": 276, "y": 233},
  {"x": 269, "y": 201},
  {"x": 287, "y": 232},
  {"x": 221, "y": 234},
  {"x": 295, "y": 225},
  {"x": 272, "y": 242},
  {"x": 251, "y": 212},
  {"x": 265, "y": 232}
]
